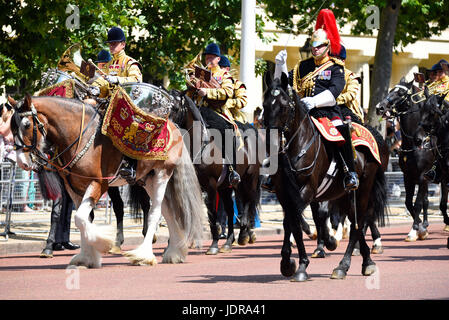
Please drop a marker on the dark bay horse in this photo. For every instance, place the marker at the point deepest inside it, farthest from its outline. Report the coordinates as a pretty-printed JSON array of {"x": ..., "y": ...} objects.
[
  {"x": 207, "y": 157},
  {"x": 435, "y": 121},
  {"x": 303, "y": 164},
  {"x": 40, "y": 122},
  {"x": 416, "y": 155}
]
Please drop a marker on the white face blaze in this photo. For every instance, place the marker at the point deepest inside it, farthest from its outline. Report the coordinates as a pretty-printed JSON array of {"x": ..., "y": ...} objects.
[{"x": 24, "y": 160}]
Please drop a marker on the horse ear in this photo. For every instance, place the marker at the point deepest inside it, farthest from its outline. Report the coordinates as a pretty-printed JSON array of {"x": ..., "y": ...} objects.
[
  {"x": 12, "y": 101},
  {"x": 27, "y": 102},
  {"x": 402, "y": 80},
  {"x": 267, "y": 79},
  {"x": 284, "y": 81}
]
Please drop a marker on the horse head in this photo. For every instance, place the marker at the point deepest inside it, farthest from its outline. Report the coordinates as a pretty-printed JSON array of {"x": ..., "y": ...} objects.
[
  {"x": 29, "y": 134},
  {"x": 396, "y": 100},
  {"x": 279, "y": 104},
  {"x": 432, "y": 113}
]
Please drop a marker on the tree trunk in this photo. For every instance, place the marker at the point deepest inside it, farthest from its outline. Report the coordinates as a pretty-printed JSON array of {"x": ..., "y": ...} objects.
[{"x": 380, "y": 81}]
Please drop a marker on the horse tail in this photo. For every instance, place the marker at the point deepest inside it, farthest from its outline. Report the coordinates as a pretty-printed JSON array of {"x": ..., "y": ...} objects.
[
  {"x": 379, "y": 198},
  {"x": 50, "y": 184},
  {"x": 136, "y": 194},
  {"x": 184, "y": 200}
]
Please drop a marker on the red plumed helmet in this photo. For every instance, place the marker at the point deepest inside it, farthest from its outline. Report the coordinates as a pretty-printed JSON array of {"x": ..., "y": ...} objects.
[{"x": 326, "y": 21}]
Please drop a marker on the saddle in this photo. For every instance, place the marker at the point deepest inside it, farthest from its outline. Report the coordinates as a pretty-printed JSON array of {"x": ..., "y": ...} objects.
[{"x": 361, "y": 136}]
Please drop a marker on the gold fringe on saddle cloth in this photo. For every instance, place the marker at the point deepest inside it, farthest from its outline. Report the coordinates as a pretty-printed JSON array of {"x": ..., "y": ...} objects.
[{"x": 64, "y": 89}]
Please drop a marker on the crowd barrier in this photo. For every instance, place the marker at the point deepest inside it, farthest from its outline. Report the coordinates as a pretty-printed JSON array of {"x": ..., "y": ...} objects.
[{"x": 20, "y": 193}]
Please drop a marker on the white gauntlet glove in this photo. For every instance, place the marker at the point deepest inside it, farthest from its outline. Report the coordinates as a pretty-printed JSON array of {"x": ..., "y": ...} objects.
[
  {"x": 111, "y": 79},
  {"x": 308, "y": 101},
  {"x": 94, "y": 91},
  {"x": 323, "y": 99},
  {"x": 281, "y": 64}
]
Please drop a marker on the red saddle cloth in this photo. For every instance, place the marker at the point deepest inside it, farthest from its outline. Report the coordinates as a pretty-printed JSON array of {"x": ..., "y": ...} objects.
[
  {"x": 135, "y": 133},
  {"x": 361, "y": 136},
  {"x": 65, "y": 89}
]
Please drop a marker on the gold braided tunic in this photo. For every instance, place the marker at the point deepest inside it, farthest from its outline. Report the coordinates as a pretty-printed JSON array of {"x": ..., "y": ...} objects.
[
  {"x": 238, "y": 101},
  {"x": 124, "y": 67},
  {"x": 348, "y": 96}
]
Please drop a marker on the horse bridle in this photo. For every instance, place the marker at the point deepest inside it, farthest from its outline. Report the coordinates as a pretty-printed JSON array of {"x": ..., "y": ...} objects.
[
  {"x": 285, "y": 128},
  {"x": 38, "y": 125}
]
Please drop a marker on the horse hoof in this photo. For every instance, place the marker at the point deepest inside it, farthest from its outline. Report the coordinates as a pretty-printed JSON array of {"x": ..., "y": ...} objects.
[
  {"x": 356, "y": 252},
  {"x": 288, "y": 268},
  {"x": 369, "y": 270},
  {"x": 313, "y": 236},
  {"x": 331, "y": 245},
  {"x": 377, "y": 250},
  {"x": 423, "y": 235},
  {"x": 243, "y": 241},
  {"x": 411, "y": 239},
  {"x": 212, "y": 251},
  {"x": 226, "y": 249},
  {"x": 46, "y": 253},
  {"x": 318, "y": 254},
  {"x": 446, "y": 228},
  {"x": 252, "y": 238},
  {"x": 115, "y": 250},
  {"x": 300, "y": 277},
  {"x": 338, "y": 274}
]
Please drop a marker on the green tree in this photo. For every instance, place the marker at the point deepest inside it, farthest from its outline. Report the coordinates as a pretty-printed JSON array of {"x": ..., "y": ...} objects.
[
  {"x": 170, "y": 33},
  {"x": 402, "y": 22}
]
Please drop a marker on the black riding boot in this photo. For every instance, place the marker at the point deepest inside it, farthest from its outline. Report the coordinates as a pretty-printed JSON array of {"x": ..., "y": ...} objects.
[
  {"x": 434, "y": 174},
  {"x": 351, "y": 181},
  {"x": 128, "y": 170}
]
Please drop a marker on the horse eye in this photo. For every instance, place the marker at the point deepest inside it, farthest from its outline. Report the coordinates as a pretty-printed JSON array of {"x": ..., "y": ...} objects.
[{"x": 26, "y": 123}]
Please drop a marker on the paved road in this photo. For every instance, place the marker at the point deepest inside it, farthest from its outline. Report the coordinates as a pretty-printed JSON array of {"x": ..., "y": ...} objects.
[{"x": 417, "y": 270}]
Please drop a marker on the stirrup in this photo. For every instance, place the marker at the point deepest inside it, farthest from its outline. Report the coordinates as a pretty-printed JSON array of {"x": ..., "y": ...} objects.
[
  {"x": 234, "y": 177},
  {"x": 351, "y": 181}
]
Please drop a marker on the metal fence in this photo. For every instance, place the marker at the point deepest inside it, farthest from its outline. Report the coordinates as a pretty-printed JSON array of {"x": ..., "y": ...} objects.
[{"x": 20, "y": 192}]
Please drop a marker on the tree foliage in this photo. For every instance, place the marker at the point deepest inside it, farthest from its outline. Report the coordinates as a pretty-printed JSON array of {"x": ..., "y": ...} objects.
[{"x": 163, "y": 35}]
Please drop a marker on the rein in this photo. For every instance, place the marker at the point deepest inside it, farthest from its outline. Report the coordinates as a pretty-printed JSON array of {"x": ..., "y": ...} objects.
[
  {"x": 304, "y": 150},
  {"x": 37, "y": 124}
]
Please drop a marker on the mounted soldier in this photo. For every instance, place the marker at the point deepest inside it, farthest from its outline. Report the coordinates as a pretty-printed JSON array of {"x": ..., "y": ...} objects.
[
  {"x": 214, "y": 89},
  {"x": 319, "y": 81},
  {"x": 119, "y": 70}
]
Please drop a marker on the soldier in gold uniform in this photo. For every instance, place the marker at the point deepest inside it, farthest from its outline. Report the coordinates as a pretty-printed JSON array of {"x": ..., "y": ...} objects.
[
  {"x": 239, "y": 99},
  {"x": 119, "y": 70},
  {"x": 220, "y": 99},
  {"x": 348, "y": 97}
]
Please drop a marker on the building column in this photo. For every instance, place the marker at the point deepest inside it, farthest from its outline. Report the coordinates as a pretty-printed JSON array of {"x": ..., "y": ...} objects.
[{"x": 248, "y": 52}]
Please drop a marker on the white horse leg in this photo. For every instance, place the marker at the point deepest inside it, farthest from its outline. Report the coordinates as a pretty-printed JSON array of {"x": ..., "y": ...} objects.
[
  {"x": 155, "y": 186},
  {"x": 177, "y": 249},
  {"x": 412, "y": 235},
  {"x": 339, "y": 233},
  {"x": 94, "y": 239}
]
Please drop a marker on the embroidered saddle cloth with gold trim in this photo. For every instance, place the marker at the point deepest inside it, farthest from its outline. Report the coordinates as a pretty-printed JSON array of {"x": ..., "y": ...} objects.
[
  {"x": 361, "y": 136},
  {"x": 135, "y": 133}
]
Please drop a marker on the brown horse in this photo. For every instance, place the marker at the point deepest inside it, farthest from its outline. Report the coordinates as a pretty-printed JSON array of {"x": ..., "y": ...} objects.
[
  {"x": 43, "y": 122},
  {"x": 212, "y": 174},
  {"x": 304, "y": 164}
]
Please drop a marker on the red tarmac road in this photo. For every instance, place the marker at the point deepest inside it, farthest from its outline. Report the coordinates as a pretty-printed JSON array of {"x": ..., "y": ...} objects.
[{"x": 418, "y": 270}]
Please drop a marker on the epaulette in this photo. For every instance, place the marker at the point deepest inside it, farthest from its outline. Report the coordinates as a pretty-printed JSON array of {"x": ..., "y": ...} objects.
[
  {"x": 337, "y": 61},
  {"x": 132, "y": 61}
]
